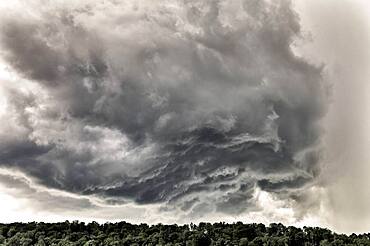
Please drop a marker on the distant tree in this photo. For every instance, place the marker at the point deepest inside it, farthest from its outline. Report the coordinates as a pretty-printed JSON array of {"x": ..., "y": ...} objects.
[
  {"x": 40, "y": 242},
  {"x": 243, "y": 241}
]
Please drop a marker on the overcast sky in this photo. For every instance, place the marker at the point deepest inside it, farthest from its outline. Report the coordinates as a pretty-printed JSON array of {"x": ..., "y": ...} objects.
[{"x": 186, "y": 111}]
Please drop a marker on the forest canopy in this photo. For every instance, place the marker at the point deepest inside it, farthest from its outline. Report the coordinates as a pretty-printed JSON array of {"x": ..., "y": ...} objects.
[{"x": 203, "y": 234}]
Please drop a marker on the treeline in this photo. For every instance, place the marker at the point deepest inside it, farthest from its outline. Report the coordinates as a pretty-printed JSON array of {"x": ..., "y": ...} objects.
[{"x": 122, "y": 233}]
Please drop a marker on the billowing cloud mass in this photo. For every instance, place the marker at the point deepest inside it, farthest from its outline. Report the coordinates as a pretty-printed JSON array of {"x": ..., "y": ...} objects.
[{"x": 192, "y": 105}]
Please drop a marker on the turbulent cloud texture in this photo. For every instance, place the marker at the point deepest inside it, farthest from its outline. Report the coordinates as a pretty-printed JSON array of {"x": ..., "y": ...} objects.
[{"x": 192, "y": 104}]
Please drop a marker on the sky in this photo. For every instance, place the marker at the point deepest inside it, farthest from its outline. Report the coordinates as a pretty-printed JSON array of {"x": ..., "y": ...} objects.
[{"x": 186, "y": 111}]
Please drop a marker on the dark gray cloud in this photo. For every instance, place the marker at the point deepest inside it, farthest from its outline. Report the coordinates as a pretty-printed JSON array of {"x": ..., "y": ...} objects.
[{"x": 185, "y": 103}]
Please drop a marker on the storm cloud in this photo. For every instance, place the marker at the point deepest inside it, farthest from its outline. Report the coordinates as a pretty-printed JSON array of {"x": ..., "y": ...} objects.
[{"x": 189, "y": 104}]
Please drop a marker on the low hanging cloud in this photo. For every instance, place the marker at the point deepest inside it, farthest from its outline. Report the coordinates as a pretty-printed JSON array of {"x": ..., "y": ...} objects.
[{"x": 182, "y": 103}]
